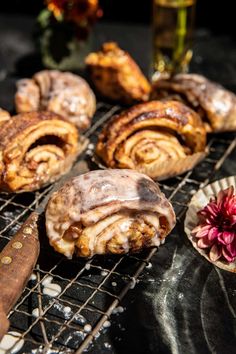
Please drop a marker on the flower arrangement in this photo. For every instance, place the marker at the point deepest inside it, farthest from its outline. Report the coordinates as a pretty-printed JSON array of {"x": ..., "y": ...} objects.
[
  {"x": 65, "y": 32},
  {"x": 216, "y": 231},
  {"x": 82, "y": 13}
]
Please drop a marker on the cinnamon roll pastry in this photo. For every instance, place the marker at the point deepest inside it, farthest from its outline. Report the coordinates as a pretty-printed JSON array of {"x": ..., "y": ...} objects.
[
  {"x": 216, "y": 105},
  {"x": 108, "y": 211},
  {"x": 161, "y": 139},
  {"x": 116, "y": 75},
  {"x": 60, "y": 92},
  {"x": 4, "y": 116},
  {"x": 35, "y": 149}
]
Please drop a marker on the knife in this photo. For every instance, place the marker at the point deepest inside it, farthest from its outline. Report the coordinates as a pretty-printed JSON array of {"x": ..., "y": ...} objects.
[{"x": 19, "y": 256}]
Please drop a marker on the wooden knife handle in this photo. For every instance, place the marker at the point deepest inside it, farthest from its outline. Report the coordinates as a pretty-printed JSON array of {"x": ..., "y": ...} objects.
[
  {"x": 17, "y": 261},
  {"x": 4, "y": 323}
]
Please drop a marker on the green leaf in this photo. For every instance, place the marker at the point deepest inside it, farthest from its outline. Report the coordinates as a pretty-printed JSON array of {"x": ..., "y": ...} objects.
[{"x": 44, "y": 18}]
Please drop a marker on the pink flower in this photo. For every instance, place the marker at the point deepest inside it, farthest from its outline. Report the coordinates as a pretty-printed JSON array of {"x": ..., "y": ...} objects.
[{"x": 216, "y": 231}]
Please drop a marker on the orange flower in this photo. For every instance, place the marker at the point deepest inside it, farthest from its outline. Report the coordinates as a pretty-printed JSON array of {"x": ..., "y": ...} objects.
[
  {"x": 56, "y": 7},
  {"x": 77, "y": 11}
]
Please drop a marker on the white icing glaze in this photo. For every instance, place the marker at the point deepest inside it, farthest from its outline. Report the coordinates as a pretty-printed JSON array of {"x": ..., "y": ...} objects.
[
  {"x": 87, "y": 266},
  {"x": 65, "y": 310},
  {"x": 106, "y": 324},
  {"x": 149, "y": 265},
  {"x": 33, "y": 277},
  {"x": 90, "y": 146},
  {"x": 35, "y": 312},
  {"x": 87, "y": 328},
  {"x": 99, "y": 199},
  {"x": 118, "y": 309},
  {"x": 107, "y": 345},
  {"x": 66, "y": 94},
  {"x": 50, "y": 289},
  {"x": 11, "y": 343},
  {"x": 80, "y": 319}
]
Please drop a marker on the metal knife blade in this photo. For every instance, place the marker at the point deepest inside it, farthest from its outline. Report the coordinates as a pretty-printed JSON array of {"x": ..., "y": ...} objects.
[{"x": 20, "y": 255}]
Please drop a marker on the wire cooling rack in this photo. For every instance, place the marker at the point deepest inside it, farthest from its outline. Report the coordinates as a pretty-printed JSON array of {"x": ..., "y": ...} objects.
[{"x": 87, "y": 291}]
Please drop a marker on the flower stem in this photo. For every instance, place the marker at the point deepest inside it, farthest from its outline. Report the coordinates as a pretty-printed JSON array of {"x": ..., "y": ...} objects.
[{"x": 180, "y": 34}]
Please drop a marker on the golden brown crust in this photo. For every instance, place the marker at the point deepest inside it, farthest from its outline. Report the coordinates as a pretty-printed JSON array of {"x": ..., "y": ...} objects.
[
  {"x": 116, "y": 75},
  {"x": 4, "y": 116},
  {"x": 61, "y": 92},
  {"x": 216, "y": 105},
  {"x": 149, "y": 134},
  {"x": 158, "y": 138},
  {"x": 27, "y": 97},
  {"x": 35, "y": 149}
]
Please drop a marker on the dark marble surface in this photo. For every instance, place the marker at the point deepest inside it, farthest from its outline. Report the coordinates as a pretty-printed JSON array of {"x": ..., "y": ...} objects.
[{"x": 182, "y": 304}]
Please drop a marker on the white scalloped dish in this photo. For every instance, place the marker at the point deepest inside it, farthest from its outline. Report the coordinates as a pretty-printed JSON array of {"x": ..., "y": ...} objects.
[{"x": 198, "y": 202}]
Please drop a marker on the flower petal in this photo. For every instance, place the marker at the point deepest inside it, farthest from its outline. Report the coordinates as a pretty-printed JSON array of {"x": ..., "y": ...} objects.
[
  {"x": 204, "y": 242},
  {"x": 212, "y": 209},
  {"x": 231, "y": 248},
  {"x": 199, "y": 230},
  {"x": 213, "y": 233},
  {"x": 221, "y": 239},
  {"x": 215, "y": 253},
  {"x": 229, "y": 257},
  {"x": 233, "y": 219},
  {"x": 220, "y": 198},
  {"x": 203, "y": 233},
  {"x": 228, "y": 237}
]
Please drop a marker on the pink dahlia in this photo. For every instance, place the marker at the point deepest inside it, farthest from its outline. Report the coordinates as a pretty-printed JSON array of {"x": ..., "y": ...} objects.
[{"x": 216, "y": 230}]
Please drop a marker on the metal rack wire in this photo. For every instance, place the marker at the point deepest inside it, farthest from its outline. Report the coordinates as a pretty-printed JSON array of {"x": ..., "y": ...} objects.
[{"x": 68, "y": 322}]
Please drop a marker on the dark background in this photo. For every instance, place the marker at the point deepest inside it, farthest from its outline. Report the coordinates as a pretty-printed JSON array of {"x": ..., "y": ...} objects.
[{"x": 218, "y": 16}]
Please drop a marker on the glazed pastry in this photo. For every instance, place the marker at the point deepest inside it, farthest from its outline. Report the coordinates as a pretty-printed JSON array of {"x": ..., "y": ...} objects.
[
  {"x": 4, "y": 116},
  {"x": 116, "y": 75},
  {"x": 35, "y": 149},
  {"x": 216, "y": 105},
  {"x": 108, "y": 211},
  {"x": 60, "y": 92},
  {"x": 161, "y": 139}
]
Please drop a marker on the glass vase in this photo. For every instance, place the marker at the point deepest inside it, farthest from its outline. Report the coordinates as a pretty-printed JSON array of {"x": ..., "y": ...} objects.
[
  {"x": 62, "y": 48},
  {"x": 173, "y": 25}
]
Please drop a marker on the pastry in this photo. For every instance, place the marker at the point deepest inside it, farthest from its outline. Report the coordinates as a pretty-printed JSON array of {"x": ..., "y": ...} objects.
[
  {"x": 210, "y": 223},
  {"x": 216, "y": 105},
  {"x": 116, "y": 75},
  {"x": 161, "y": 139},
  {"x": 60, "y": 92},
  {"x": 108, "y": 211},
  {"x": 36, "y": 148},
  {"x": 4, "y": 116}
]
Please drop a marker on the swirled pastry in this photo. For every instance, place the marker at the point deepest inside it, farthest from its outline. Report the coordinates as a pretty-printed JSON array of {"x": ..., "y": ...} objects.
[
  {"x": 216, "y": 105},
  {"x": 60, "y": 92},
  {"x": 108, "y": 211},
  {"x": 35, "y": 149},
  {"x": 161, "y": 139},
  {"x": 4, "y": 116},
  {"x": 116, "y": 75}
]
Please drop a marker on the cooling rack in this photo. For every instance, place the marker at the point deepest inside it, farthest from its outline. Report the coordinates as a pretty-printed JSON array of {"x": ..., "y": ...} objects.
[{"x": 86, "y": 292}]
